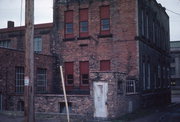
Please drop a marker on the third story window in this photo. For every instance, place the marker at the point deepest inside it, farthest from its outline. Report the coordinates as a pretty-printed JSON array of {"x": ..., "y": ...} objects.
[
  {"x": 105, "y": 19},
  {"x": 84, "y": 26},
  {"x": 105, "y": 24},
  {"x": 69, "y": 28}
]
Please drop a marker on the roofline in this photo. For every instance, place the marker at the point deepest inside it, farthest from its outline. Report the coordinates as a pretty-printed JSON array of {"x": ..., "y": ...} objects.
[
  {"x": 161, "y": 7},
  {"x": 22, "y": 28},
  {"x": 174, "y": 41}
]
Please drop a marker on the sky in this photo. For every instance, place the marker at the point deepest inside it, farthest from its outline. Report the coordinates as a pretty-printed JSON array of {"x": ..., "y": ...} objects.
[{"x": 11, "y": 10}]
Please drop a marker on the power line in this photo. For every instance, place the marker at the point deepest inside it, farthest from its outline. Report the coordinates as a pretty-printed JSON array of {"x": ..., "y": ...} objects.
[{"x": 173, "y": 12}]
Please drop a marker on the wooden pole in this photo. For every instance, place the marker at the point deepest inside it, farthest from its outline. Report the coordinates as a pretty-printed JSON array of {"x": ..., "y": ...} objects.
[
  {"x": 29, "y": 62},
  {"x": 64, "y": 91}
]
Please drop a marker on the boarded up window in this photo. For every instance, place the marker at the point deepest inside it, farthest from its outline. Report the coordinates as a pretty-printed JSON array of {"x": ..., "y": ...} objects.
[
  {"x": 84, "y": 72},
  {"x": 105, "y": 65},
  {"x": 105, "y": 20},
  {"x": 69, "y": 73},
  {"x": 83, "y": 17},
  {"x": 68, "y": 16}
]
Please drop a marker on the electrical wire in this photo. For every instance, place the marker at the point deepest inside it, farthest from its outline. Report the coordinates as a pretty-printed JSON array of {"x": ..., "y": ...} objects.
[{"x": 173, "y": 12}]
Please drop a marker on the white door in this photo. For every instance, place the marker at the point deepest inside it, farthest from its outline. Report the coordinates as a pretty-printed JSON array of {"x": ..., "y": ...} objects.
[{"x": 100, "y": 99}]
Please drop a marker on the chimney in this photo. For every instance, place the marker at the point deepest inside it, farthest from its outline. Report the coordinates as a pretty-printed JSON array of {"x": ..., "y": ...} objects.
[{"x": 10, "y": 24}]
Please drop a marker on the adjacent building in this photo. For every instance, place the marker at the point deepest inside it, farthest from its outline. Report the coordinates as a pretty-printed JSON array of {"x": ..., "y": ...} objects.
[
  {"x": 175, "y": 63},
  {"x": 115, "y": 56}
]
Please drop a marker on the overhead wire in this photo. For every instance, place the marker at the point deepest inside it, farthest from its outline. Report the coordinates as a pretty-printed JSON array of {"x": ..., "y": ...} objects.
[{"x": 173, "y": 12}]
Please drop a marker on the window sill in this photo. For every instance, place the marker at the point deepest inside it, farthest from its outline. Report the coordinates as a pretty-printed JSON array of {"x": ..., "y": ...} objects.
[
  {"x": 105, "y": 36},
  {"x": 69, "y": 39},
  {"x": 83, "y": 38}
]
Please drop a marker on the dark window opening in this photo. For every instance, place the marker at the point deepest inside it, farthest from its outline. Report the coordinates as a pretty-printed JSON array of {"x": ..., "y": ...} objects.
[
  {"x": 62, "y": 107},
  {"x": 120, "y": 86},
  {"x": 69, "y": 79},
  {"x": 20, "y": 106},
  {"x": 173, "y": 71},
  {"x": 85, "y": 78},
  {"x": 172, "y": 60}
]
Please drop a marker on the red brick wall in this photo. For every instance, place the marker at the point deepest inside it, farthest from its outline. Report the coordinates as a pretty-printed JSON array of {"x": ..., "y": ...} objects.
[{"x": 121, "y": 48}]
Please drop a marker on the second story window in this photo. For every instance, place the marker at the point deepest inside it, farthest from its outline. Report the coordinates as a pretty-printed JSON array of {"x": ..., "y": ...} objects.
[
  {"x": 38, "y": 44},
  {"x": 19, "y": 81},
  {"x": 5, "y": 43},
  {"x": 105, "y": 20},
  {"x": 84, "y": 72},
  {"x": 83, "y": 17},
  {"x": 69, "y": 77},
  {"x": 68, "y": 19}
]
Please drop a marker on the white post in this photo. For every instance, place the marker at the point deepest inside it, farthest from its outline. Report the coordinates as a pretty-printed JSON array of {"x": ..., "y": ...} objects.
[{"x": 64, "y": 91}]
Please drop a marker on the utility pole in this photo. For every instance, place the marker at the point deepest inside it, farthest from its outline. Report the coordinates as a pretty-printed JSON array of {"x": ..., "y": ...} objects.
[{"x": 29, "y": 62}]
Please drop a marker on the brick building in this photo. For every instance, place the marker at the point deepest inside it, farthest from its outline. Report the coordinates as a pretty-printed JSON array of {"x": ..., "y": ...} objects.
[{"x": 115, "y": 56}]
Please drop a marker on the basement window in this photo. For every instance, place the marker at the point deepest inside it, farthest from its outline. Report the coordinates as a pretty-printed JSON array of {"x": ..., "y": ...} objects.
[
  {"x": 62, "y": 107},
  {"x": 20, "y": 106}
]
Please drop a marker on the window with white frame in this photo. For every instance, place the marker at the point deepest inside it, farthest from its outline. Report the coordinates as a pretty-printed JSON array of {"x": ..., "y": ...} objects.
[
  {"x": 130, "y": 87},
  {"x": 19, "y": 81},
  {"x": 41, "y": 82},
  {"x": 38, "y": 44}
]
